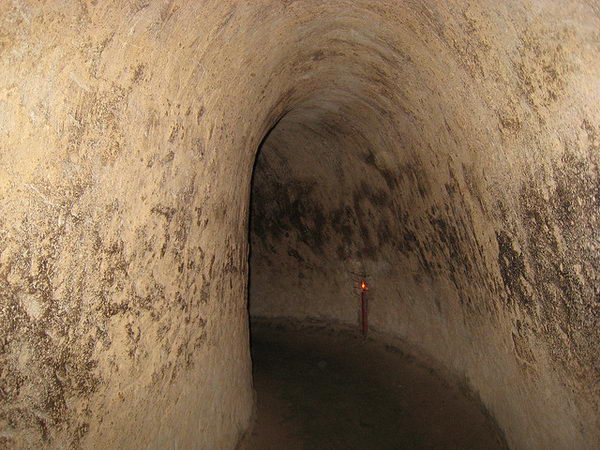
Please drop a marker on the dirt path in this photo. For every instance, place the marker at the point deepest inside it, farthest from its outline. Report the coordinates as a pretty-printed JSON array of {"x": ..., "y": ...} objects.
[{"x": 320, "y": 389}]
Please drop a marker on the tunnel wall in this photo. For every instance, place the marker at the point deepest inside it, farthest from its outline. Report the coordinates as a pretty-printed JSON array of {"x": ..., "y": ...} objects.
[
  {"x": 470, "y": 206},
  {"x": 128, "y": 137},
  {"x": 124, "y": 245}
]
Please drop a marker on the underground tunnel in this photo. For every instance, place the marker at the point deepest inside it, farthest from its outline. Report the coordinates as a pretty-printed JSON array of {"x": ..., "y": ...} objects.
[{"x": 175, "y": 174}]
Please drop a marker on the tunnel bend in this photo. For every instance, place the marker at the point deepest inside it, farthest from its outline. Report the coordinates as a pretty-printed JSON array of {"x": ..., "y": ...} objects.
[
  {"x": 435, "y": 184},
  {"x": 133, "y": 129}
]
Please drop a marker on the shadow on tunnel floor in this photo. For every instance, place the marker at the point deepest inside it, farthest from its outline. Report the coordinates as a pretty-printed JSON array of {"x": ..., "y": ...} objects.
[{"x": 319, "y": 388}]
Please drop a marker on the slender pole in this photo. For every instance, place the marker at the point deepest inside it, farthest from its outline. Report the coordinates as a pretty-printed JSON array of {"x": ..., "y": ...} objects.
[{"x": 363, "y": 309}]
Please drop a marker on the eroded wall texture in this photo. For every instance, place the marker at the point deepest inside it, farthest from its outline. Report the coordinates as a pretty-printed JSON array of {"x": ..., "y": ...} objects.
[
  {"x": 453, "y": 161},
  {"x": 446, "y": 149}
]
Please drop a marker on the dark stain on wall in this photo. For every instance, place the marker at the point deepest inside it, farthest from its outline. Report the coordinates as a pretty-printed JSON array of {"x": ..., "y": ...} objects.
[
  {"x": 563, "y": 253},
  {"x": 289, "y": 207},
  {"x": 512, "y": 267}
]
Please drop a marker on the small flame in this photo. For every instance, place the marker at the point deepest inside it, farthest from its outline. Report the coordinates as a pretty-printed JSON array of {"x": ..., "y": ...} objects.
[{"x": 363, "y": 285}]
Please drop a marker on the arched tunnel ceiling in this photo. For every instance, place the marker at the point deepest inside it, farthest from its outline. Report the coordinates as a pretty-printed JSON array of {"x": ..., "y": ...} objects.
[{"x": 464, "y": 135}]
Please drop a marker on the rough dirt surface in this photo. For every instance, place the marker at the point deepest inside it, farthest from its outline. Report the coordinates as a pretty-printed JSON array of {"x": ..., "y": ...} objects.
[
  {"x": 323, "y": 388},
  {"x": 446, "y": 149}
]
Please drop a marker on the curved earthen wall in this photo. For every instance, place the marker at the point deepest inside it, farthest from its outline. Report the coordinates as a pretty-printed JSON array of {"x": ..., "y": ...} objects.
[{"x": 447, "y": 150}]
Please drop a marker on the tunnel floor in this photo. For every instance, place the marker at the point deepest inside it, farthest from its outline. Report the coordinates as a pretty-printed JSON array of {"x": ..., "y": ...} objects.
[{"x": 319, "y": 388}]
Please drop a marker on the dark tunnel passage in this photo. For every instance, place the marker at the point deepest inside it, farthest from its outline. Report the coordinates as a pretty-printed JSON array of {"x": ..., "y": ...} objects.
[
  {"x": 321, "y": 218},
  {"x": 324, "y": 216},
  {"x": 444, "y": 151},
  {"x": 358, "y": 181}
]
